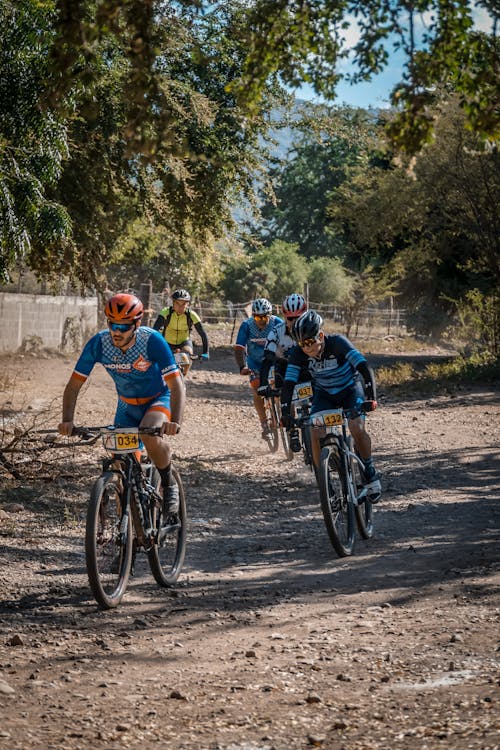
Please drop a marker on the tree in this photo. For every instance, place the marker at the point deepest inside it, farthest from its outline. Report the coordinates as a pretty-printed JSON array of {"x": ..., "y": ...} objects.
[
  {"x": 33, "y": 144},
  {"x": 329, "y": 144},
  {"x": 304, "y": 41},
  {"x": 138, "y": 92},
  {"x": 329, "y": 282},
  {"x": 433, "y": 227},
  {"x": 271, "y": 272}
]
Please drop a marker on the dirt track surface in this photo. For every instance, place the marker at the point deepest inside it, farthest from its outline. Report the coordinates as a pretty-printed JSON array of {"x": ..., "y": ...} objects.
[{"x": 269, "y": 640}]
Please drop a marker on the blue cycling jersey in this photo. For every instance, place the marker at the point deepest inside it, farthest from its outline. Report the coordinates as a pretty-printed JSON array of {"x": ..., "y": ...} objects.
[
  {"x": 140, "y": 373},
  {"x": 335, "y": 368},
  {"x": 253, "y": 340}
]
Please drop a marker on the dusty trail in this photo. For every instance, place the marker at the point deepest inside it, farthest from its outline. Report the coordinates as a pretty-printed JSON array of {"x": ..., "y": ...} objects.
[{"x": 269, "y": 640}]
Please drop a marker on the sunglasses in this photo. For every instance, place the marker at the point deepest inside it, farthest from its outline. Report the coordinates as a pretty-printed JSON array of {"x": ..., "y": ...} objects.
[
  {"x": 261, "y": 317},
  {"x": 308, "y": 342},
  {"x": 122, "y": 327}
]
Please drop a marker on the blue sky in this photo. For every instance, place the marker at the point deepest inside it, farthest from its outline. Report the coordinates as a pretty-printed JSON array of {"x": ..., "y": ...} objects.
[{"x": 376, "y": 92}]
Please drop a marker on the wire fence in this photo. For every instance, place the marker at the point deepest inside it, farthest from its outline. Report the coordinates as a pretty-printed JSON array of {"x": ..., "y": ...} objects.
[{"x": 369, "y": 321}]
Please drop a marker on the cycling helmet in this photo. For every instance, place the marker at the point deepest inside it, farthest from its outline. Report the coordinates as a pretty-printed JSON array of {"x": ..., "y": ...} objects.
[
  {"x": 293, "y": 305},
  {"x": 181, "y": 294},
  {"x": 124, "y": 308},
  {"x": 261, "y": 306},
  {"x": 307, "y": 326}
]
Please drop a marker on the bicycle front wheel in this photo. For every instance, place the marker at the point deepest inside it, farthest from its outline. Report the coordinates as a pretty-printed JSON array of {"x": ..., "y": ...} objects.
[
  {"x": 337, "y": 507},
  {"x": 108, "y": 543},
  {"x": 166, "y": 557},
  {"x": 364, "y": 508},
  {"x": 272, "y": 436}
]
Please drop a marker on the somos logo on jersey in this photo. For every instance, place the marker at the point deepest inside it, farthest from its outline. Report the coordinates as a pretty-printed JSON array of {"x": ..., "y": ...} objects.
[{"x": 141, "y": 364}]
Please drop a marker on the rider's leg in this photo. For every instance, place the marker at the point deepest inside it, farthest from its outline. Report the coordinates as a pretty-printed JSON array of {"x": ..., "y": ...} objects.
[
  {"x": 159, "y": 452},
  {"x": 258, "y": 401}
]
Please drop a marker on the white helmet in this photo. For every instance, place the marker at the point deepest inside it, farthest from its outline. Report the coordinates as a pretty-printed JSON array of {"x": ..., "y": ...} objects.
[
  {"x": 261, "y": 306},
  {"x": 293, "y": 305}
]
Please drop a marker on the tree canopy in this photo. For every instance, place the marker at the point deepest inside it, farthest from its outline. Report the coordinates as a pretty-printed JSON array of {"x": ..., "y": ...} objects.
[{"x": 306, "y": 41}]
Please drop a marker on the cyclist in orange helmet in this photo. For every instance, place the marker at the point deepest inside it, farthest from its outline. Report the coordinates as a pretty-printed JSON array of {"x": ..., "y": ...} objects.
[{"x": 147, "y": 381}]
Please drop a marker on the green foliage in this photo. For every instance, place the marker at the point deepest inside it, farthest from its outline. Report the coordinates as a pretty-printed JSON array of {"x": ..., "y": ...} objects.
[
  {"x": 431, "y": 227},
  {"x": 271, "y": 272},
  {"x": 33, "y": 143},
  {"x": 442, "y": 377},
  {"x": 131, "y": 119},
  {"x": 479, "y": 321},
  {"x": 329, "y": 282},
  {"x": 305, "y": 42},
  {"x": 329, "y": 144}
]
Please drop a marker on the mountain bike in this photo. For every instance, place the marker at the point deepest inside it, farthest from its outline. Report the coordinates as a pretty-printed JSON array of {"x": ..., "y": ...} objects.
[
  {"x": 125, "y": 516},
  {"x": 345, "y": 500},
  {"x": 184, "y": 360},
  {"x": 300, "y": 409}
]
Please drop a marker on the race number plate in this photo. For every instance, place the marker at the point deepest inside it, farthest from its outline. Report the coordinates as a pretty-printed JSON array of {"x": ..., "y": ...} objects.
[
  {"x": 302, "y": 391},
  {"x": 332, "y": 418},
  {"x": 122, "y": 442}
]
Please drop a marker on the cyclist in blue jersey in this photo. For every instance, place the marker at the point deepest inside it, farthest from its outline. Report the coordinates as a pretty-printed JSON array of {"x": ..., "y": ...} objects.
[
  {"x": 147, "y": 381},
  {"x": 249, "y": 350},
  {"x": 335, "y": 367}
]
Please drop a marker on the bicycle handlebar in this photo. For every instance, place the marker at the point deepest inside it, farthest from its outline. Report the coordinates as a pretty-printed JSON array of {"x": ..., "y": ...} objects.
[{"x": 364, "y": 408}]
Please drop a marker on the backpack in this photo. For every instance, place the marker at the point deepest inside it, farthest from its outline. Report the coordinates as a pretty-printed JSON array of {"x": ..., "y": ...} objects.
[{"x": 169, "y": 315}]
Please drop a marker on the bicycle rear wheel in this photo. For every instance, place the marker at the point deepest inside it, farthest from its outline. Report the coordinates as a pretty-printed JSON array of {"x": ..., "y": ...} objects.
[
  {"x": 166, "y": 557},
  {"x": 338, "y": 510},
  {"x": 108, "y": 543},
  {"x": 364, "y": 508}
]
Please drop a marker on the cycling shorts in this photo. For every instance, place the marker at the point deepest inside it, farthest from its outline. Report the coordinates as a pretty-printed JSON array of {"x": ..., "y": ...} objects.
[
  {"x": 131, "y": 415},
  {"x": 349, "y": 398}
]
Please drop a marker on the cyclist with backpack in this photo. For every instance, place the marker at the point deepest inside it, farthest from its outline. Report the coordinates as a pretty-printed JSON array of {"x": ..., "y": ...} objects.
[{"x": 176, "y": 323}]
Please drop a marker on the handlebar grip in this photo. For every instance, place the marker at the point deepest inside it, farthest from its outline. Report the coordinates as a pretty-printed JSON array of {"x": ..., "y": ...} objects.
[{"x": 369, "y": 406}]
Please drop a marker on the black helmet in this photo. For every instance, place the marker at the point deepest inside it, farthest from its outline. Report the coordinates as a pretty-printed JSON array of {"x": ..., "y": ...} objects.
[
  {"x": 182, "y": 294},
  {"x": 307, "y": 326}
]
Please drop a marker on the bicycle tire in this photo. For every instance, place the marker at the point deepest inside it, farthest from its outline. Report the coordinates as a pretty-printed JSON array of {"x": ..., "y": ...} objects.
[
  {"x": 166, "y": 557},
  {"x": 364, "y": 510},
  {"x": 336, "y": 505},
  {"x": 285, "y": 442},
  {"x": 272, "y": 437},
  {"x": 108, "y": 558}
]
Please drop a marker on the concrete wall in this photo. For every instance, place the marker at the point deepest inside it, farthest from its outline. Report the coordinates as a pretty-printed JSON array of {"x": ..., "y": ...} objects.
[{"x": 31, "y": 321}]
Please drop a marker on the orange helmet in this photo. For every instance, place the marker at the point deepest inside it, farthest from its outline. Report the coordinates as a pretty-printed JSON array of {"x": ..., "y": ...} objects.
[{"x": 124, "y": 308}]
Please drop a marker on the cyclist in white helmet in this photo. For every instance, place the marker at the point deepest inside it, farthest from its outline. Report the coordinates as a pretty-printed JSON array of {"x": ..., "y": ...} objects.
[
  {"x": 249, "y": 350},
  {"x": 278, "y": 345}
]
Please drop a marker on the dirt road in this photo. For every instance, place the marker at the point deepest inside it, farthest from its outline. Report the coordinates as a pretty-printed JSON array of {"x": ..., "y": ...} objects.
[{"x": 269, "y": 641}]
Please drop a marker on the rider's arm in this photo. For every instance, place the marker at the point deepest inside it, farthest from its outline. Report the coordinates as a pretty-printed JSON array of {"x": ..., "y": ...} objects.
[
  {"x": 177, "y": 399},
  {"x": 267, "y": 362},
  {"x": 203, "y": 336},
  {"x": 70, "y": 397},
  {"x": 240, "y": 347},
  {"x": 368, "y": 376},
  {"x": 159, "y": 323}
]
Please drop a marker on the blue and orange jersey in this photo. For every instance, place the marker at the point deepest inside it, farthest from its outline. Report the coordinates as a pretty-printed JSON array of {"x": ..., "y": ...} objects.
[
  {"x": 253, "y": 339},
  {"x": 140, "y": 373}
]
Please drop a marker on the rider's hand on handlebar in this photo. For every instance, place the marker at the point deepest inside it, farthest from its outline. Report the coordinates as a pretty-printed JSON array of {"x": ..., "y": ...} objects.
[
  {"x": 66, "y": 428},
  {"x": 244, "y": 370},
  {"x": 171, "y": 428}
]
